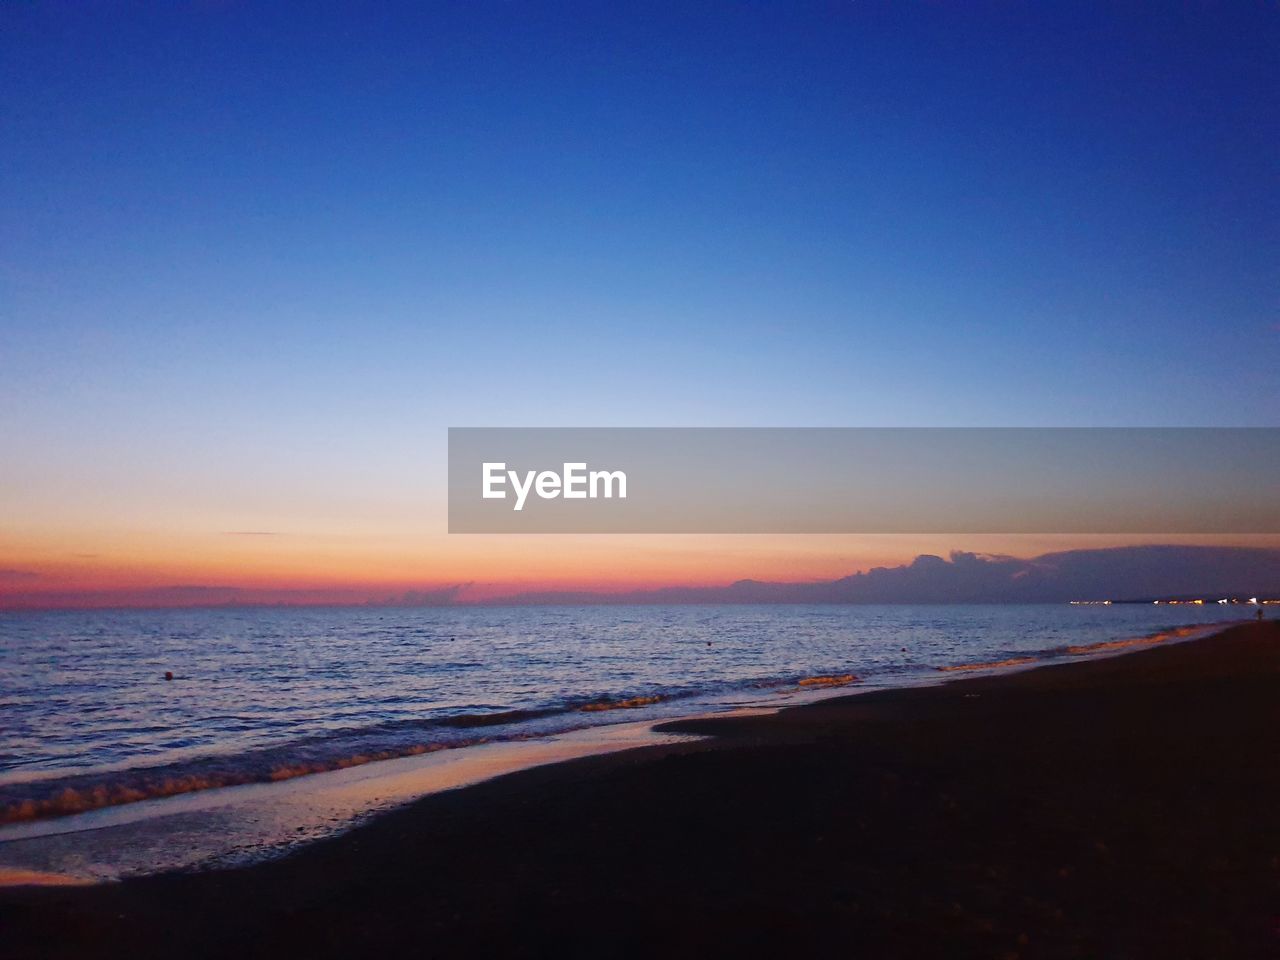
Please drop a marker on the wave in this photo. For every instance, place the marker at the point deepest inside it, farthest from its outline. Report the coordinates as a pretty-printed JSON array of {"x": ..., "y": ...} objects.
[
  {"x": 466, "y": 721},
  {"x": 84, "y": 792},
  {"x": 1160, "y": 636},
  {"x": 828, "y": 681},
  {"x": 68, "y": 794},
  {"x": 992, "y": 665},
  {"x": 630, "y": 703}
]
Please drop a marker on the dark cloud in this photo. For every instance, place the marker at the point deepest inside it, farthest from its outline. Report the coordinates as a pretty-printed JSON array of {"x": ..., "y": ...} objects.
[
  {"x": 8, "y": 573},
  {"x": 1119, "y": 573}
]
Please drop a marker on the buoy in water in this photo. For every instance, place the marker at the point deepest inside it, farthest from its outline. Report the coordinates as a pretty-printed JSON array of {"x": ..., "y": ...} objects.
[{"x": 168, "y": 674}]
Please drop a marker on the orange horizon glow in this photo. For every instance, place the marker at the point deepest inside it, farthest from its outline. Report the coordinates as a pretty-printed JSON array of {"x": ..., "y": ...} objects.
[{"x": 195, "y": 569}]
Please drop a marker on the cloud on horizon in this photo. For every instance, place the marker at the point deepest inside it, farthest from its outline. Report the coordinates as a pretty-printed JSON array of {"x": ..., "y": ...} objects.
[{"x": 1114, "y": 573}]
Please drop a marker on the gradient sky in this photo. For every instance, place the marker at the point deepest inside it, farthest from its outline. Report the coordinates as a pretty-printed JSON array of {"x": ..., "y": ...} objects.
[{"x": 254, "y": 259}]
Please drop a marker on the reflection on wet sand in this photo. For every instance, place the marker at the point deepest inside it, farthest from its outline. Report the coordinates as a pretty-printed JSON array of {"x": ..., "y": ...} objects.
[{"x": 239, "y": 824}]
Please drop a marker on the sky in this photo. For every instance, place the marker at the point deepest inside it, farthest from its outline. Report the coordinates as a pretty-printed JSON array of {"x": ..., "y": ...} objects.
[{"x": 256, "y": 259}]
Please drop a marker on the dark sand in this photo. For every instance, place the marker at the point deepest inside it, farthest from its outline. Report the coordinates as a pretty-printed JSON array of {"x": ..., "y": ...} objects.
[{"x": 1127, "y": 807}]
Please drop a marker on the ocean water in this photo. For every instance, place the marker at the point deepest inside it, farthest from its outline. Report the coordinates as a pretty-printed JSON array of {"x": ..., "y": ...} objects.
[{"x": 261, "y": 695}]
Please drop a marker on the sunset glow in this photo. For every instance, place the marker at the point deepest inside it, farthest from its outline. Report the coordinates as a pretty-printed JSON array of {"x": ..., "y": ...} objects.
[{"x": 262, "y": 567}]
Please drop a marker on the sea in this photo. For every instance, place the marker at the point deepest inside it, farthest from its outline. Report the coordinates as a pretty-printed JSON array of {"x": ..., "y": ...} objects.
[{"x": 106, "y": 708}]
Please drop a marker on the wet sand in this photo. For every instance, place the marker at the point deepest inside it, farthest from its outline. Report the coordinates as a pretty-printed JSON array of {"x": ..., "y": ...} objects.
[
  {"x": 251, "y": 823},
  {"x": 1123, "y": 807}
]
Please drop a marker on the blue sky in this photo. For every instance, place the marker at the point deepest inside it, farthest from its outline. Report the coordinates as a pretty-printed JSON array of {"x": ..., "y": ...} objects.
[{"x": 290, "y": 244}]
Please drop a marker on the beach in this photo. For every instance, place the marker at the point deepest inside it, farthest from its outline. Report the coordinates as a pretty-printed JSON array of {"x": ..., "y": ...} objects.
[{"x": 1121, "y": 807}]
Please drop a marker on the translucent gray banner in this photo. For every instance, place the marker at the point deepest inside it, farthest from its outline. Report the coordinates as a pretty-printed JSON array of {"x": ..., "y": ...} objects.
[{"x": 864, "y": 480}]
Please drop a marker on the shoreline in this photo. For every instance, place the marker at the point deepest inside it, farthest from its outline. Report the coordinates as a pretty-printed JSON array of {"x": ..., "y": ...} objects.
[
  {"x": 1121, "y": 804},
  {"x": 83, "y": 799}
]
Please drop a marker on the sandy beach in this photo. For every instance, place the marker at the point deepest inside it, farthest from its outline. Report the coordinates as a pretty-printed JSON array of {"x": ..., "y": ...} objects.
[{"x": 1120, "y": 807}]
